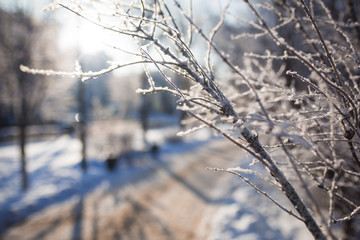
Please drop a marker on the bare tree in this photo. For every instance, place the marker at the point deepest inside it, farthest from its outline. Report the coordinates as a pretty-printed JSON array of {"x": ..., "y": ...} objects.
[
  {"x": 22, "y": 94},
  {"x": 307, "y": 138}
]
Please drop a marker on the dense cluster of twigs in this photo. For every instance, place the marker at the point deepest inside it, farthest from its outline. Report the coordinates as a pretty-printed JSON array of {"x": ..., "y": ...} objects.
[{"x": 284, "y": 78}]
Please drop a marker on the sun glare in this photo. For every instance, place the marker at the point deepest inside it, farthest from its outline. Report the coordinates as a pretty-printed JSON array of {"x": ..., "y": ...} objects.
[
  {"x": 87, "y": 38},
  {"x": 91, "y": 39}
]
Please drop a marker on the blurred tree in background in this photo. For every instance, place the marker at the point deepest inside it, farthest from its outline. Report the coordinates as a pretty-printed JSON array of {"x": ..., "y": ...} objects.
[{"x": 23, "y": 41}]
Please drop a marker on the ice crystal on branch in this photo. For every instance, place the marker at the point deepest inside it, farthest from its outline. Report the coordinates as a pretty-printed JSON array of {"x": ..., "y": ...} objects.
[{"x": 290, "y": 74}]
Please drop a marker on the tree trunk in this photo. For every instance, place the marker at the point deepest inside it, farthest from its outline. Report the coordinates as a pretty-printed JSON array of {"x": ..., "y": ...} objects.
[
  {"x": 82, "y": 123},
  {"x": 22, "y": 128}
]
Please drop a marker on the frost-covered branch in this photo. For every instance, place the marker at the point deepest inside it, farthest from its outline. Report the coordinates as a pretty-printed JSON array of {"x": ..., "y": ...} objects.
[{"x": 284, "y": 79}]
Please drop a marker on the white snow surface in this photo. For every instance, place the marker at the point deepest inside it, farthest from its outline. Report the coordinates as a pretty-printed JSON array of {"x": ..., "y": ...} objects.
[
  {"x": 247, "y": 215},
  {"x": 55, "y": 176}
]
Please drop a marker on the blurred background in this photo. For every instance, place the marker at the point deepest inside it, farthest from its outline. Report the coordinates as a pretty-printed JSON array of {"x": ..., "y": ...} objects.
[{"x": 95, "y": 160}]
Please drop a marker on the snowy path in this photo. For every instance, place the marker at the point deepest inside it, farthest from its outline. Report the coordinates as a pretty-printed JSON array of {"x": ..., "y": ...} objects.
[
  {"x": 168, "y": 196},
  {"x": 175, "y": 200}
]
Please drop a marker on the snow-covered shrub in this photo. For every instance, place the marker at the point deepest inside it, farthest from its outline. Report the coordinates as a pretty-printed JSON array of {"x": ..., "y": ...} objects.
[{"x": 283, "y": 75}]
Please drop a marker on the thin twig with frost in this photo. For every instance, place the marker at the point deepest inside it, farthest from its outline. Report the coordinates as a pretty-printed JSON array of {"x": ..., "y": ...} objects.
[
  {"x": 291, "y": 101},
  {"x": 236, "y": 172}
]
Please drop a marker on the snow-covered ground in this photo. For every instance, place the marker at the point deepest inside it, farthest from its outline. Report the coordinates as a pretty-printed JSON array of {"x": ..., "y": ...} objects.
[
  {"x": 55, "y": 176},
  {"x": 247, "y": 215}
]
